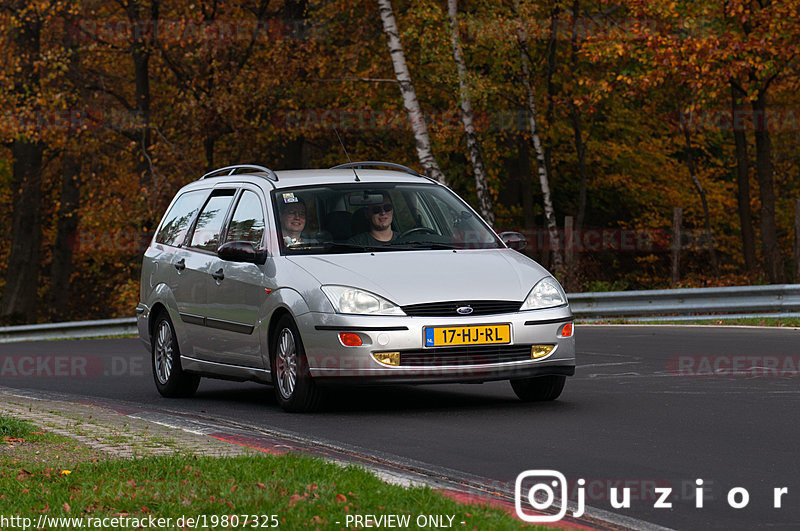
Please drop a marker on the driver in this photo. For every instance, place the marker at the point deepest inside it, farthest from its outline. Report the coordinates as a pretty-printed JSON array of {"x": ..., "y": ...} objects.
[
  {"x": 380, "y": 230},
  {"x": 293, "y": 221}
]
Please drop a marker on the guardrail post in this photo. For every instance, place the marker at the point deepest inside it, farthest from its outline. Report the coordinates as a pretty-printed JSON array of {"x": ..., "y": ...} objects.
[{"x": 676, "y": 244}]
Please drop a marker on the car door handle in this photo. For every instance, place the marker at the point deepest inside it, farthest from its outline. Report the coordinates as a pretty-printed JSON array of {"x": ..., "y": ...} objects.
[
  {"x": 180, "y": 265},
  {"x": 219, "y": 275}
]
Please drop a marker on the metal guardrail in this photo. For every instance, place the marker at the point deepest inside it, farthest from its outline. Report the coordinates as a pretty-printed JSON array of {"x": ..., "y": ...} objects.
[
  {"x": 689, "y": 304},
  {"x": 71, "y": 330},
  {"x": 779, "y": 300}
]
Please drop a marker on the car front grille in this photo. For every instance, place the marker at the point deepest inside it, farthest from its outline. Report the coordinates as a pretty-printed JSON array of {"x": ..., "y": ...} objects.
[
  {"x": 448, "y": 309},
  {"x": 437, "y": 357}
]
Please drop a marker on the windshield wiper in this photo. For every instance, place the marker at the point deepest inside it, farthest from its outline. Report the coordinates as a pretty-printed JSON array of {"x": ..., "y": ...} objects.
[
  {"x": 423, "y": 245},
  {"x": 345, "y": 246}
]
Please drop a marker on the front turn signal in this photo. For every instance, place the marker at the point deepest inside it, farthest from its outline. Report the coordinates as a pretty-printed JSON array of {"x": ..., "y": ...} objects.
[{"x": 350, "y": 339}]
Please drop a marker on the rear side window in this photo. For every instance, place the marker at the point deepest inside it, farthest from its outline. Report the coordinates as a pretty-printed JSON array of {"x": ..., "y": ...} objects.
[
  {"x": 247, "y": 223},
  {"x": 209, "y": 223},
  {"x": 176, "y": 222}
]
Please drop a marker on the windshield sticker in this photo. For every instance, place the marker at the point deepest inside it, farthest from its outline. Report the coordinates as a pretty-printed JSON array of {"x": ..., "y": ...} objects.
[{"x": 289, "y": 198}]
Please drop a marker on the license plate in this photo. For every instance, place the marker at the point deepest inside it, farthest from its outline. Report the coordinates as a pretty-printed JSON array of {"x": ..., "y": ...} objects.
[{"x": 442, "y": 336}]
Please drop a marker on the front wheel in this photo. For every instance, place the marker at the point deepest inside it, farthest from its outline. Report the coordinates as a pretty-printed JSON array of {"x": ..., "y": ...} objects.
[
  {"x": 171, "y": 380},
  {"x": 539, "y": 389},
  {"x": 295, "y": 390}
]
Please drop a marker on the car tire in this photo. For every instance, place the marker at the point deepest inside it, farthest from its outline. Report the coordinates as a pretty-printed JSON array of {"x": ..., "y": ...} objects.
[
  {"x": 295, "y": 389},
  {"x": 171, "y": 380},
  {"x": 539, "y": 389}
]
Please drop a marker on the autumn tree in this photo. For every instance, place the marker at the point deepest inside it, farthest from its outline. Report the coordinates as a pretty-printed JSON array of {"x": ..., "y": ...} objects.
[
  {"x": 741, "y": 46},
  {"x": 473, "y": 146},
  {"x": 407, "y": 91},
  {"x": 22, "y": 79},
  {"x": 533, "y": 121}
]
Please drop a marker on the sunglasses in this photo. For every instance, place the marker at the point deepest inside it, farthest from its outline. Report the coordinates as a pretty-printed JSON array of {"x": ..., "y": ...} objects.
[{"x": 377, "y": 209}]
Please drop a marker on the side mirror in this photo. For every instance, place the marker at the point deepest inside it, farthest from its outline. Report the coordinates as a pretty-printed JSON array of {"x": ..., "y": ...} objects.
[
  {"x": 514, "y": 240},
  {"x": 241, "y": 252}
]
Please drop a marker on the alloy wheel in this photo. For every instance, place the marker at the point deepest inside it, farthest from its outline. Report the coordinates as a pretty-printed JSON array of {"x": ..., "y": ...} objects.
[
  {"x": 163, "y": 352},
  {"x": 286, "y": 363}
]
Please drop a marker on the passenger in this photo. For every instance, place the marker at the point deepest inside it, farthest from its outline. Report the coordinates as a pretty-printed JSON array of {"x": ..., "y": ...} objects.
[
  {"x": 380, "y": 230},
  {"x": 293, "y": 221}
]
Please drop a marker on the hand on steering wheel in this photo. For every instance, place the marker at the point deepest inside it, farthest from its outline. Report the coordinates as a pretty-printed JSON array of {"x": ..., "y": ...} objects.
[{"x": 424, "y": 230}]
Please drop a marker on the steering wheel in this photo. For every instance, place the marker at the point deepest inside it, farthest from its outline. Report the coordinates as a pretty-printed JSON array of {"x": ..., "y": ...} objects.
[{"x": 423, "y": 230}]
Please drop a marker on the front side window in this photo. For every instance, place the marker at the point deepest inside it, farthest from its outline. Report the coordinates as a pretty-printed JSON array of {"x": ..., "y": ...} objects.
[
  {"x": 177, "y": 221},
  {"x": 247, "y": 223},
  {"x": 368, "y": 217},
  {"x": 209, "y": 222}
]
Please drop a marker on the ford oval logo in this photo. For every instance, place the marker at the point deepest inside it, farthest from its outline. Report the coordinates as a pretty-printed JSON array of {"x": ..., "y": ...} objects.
[{"x": 464, "y": 310}]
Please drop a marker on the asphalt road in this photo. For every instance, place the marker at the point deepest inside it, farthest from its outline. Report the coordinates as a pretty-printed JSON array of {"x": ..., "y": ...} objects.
[{"x": 650, "y": 407}]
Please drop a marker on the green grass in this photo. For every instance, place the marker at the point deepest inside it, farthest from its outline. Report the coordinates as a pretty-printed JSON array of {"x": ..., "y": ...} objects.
[
  {"x": 302, "y": 492},
  {"x": 14, "y": 427},
  {"x": 299, "y": 491}
]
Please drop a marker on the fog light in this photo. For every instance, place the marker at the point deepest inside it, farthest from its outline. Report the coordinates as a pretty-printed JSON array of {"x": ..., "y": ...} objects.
[
  {"x": 540, "y": 351},
  {"x": 566, "y": 330},
  {"x": 350, "y": 339},
  {"x": 387, "y": 358}
]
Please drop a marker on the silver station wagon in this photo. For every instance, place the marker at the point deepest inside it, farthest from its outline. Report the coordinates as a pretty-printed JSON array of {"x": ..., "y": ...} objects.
[{"x": 355, "y": 274}]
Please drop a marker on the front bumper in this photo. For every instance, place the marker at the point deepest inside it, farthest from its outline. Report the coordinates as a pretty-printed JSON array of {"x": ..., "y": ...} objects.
[{"x": 329, "y": 360}]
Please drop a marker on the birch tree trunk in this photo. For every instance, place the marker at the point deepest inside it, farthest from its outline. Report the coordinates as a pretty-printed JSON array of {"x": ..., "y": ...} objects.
[
  {"x": 415, "y": 115},
  {"x": 544, "y": 181},
  {"x": 473, "y": 147}
]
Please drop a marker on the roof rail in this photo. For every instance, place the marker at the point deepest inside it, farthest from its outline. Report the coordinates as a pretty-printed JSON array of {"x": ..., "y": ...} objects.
[
  {"x": 376, "y": 163},
  {"x": 233, "y": 170}
]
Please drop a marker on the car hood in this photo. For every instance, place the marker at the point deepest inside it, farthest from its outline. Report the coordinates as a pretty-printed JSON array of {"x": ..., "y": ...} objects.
[{"x": 414, "y": 277}]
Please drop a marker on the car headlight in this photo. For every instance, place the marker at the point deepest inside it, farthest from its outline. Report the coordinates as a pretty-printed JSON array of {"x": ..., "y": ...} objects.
[
  {"x": 357, "y": 301},
  {"x": 547, "y": 293}
]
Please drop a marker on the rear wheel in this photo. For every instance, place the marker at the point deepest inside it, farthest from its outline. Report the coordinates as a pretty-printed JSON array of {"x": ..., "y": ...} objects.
[
  {"x": 295, "y": 390},
  {"x": 539, "y": 389},
  {"x": 171, "y": 380}
]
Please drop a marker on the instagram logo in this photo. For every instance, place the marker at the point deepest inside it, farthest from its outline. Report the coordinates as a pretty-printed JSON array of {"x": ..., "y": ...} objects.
[{"x": 537, "y": 488}]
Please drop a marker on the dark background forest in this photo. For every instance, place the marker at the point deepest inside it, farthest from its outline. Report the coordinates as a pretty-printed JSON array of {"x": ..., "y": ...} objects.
[{"x": 641, "y": 107}]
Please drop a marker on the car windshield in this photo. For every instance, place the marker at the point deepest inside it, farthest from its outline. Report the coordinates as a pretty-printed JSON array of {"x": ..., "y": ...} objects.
[{"x": 369, "y": 217}]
